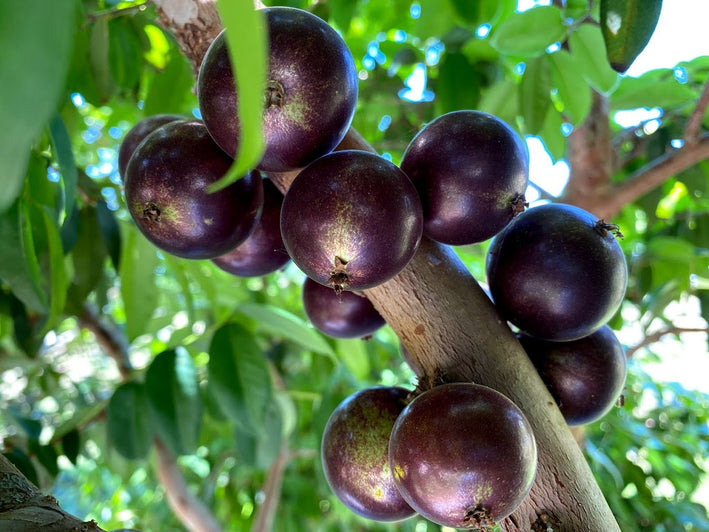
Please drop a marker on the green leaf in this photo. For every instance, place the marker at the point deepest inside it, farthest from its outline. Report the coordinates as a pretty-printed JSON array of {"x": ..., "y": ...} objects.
[
  {"x": 529, "y": 33},
  {"x": 58, "y": 288},
  {"x": 138, "y": 290},
  {"x": 36, "y": 43},
  {"x": 173, "y": 394},
  {"x": 88, "y": 256},
  {"x": 573, "y": 91},
  {"x": 535, "y": 94},
  {"x": 110, "y": 232},
  {"x": 61, "y": 143},
  {"x": 170, "y": 91},
  {"x": 239, "y": 377},
  {"x": 353, "y": 354},
  {"x": 627, "y": 26},
  {"x": 261, "y": 450},
  {"x": 125, "y": 56},
  {"x": 98, "y": 59},
  {"x": 130, "y": 429},
  {"x": 457, "y": 86},
  {"x": 46, "y": 455},
  {"x": 652, "y": 89},
  {"x": 71, "y": 445},
  {"x": 247, "y": 42},
  {"x": 284, "y": 324},
  {"x": 19, "y": 268},
  {"x": 501, "y": 100},
  {"x": 586, "y": 45}
]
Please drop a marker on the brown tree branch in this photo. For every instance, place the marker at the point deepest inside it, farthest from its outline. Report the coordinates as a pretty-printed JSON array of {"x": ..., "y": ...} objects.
[
  {"x": 190, "y": 510},
  {"x": 658, "y": 335},
  {"x": 694, "y": 123},
  {"x": 24, "y": 508}
]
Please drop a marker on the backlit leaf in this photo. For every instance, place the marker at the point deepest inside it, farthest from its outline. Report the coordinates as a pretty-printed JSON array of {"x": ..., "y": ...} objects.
[
  {"x": 587, "y": 48},
  {"x": 130, "y": 429},
  {"x": 529, "y": 33},
  {"x": 573, "y": 91},
  {"x": 535, "y": 94}
]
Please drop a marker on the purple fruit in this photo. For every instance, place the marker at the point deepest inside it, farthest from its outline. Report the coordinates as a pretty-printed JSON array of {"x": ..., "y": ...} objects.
[
  {"x": 136, "y": 135},
  {"x": 585, "y": 376},
  {"x": 310, "y": 96},
  {"x": 263, "y": 251},
  {"x": 557, "y": 272},
  {"x": 463, "y": 455},
  {"x": 471, "y": 170},
  {"x": 355, "y": 457},
  {"x": 166, "y": 193},
  {"x": 343, "y": 315},
  {"x": 351, "y": 220}
]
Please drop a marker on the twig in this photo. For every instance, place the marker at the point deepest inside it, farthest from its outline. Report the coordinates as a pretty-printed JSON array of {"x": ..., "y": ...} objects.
[
  {"x": 266, "y": 516},
  {"x": 658, "y": 335},
  {"x": 694, "y": 123},
  {"x": 109, "y": 338}
]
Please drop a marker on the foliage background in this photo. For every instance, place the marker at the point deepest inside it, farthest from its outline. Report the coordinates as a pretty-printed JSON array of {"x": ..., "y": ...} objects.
[{"x": 93, "y": 318}]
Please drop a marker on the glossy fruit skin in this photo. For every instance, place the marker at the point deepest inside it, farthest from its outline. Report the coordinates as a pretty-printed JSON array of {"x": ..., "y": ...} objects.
[
  {"x": 463, "y": 455},
  {"x": 351, "y": 220},
  {"x": 166, "y": 193},
  {"x": 556, "y": 272},
  {"x": 344, "y": 315},
  {"x": 137, "y": 133},
  {"x": 263, "y": 251},
  {"x": 311, "y": 93},
  {"x": 355, "y": 456},
  {"x": 585, "y": 376},
  {"x": 471, "y": 170}
]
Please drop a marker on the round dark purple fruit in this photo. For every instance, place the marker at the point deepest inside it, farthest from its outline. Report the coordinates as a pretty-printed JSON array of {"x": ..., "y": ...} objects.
[
  {"x": 136, "y": 135},
  {"x": 471, "y": 170},
  {"x": 310, "y": 96},
  {"x": 557, "y": 272},
  {"x": 166, "y": 193},
  {"x": 355, "y": 457},
  {"x": 463, "y": 455},
  {"x": 343, "y": 315},
  {"x": 263, "y": 251},
  {"x": 585, "y": 376},
  {"x": 351, "y": 220}
]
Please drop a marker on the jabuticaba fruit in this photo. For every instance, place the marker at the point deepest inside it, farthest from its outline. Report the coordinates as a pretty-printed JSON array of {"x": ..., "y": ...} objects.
[
  {"x": 585, "y": 376},
  {"x": 137, "y": 133},
  {"x": 355, "y": 455},
  {"x": 166, "y": 184},
  {"x": 351, "y": 220},
  {"x": 263, "y": 251},
  {"x": 471, "y": 170},
  {"x": 463, "y": 455},
  {"x": 557, "y": 272},
  {"x": 310, "y": 96}
]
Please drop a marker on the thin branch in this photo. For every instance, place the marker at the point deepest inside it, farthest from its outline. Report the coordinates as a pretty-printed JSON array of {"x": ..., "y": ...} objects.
[
  {"x": 191, "y": 511},
  {"x": 657, "y": 336},
  {"x": 266, "y": 516},
  {"x": 694, "y": 124},
  {"x": 108, "y": 336}
]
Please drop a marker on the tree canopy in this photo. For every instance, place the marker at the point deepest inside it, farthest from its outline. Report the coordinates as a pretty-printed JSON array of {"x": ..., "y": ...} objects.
[{"x": 147, "y": 391}]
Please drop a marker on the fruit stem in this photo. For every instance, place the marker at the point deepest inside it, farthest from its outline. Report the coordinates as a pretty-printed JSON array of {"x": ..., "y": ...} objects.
[
  {"x": 604, "y": 228},
  {"x": 275, "y": 93},
  {"x": 339, "y": 279}
]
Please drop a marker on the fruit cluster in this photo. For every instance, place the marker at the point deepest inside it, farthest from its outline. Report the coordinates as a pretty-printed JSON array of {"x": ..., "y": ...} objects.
[{"x": 461, "y": 454}]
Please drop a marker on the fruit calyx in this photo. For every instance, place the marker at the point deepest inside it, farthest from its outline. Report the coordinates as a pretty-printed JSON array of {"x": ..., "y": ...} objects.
[
  {"x": 339, "y": 278},
  {"x": 152, "y": 212},
  {"x": 519, "y": 204},
  {"x": 479, "y": 518},
  {"x": 604, "y": 228},
  {"x": 275, "y": 93}
]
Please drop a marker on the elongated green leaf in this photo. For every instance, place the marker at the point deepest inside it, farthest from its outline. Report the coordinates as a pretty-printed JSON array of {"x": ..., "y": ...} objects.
[
  {"x": 458, "y": 86},
  {"x": 627, "y": 26},
  {"x": 110, "y": 231},
  {"x": 529, "y": 33},
  {"x": 587, "y": 48},
  {"x": 58, "y": 288},
  {"x": 130, "y": 428},
  {"x": 501, "y": 100},
  {"x": 61, "y": 143},
  {"x": 173, "y": 394},
  {"x": 286, "y": 325},
  {"x": 650, "y": 91},
  {"x": 262, "y": 449},
  {"x": 88, "y": 257},
  {"x": 124, "y": 54},
  {"x": 71, "y": 445},
  {"x": 239, "y": 377},
  {"x": 535, "y": 94},
  {"x": 170, "y": 90},
  {"x": 98, "y": 58},
  {"x": 137, "y": 272},
  {"x": 247, "y": 41},
  {"x": 573, "y": 91},
  {"x": 19, "y": 268},
  {"x": 36, "y": 43}
]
